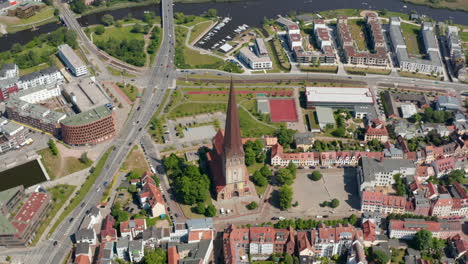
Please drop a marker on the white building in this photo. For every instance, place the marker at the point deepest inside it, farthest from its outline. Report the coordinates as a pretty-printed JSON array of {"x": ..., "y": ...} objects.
[
  {"x": 256, "y": 57},
  {"x": 408, "y": 110},
  {"x": 135, "y": 250},
  {"x": 8, "y": 71},
  {"x": 86, "y": 236},
  {"x": 50, "y": 76},
  {"x": 39, "y": 93},
  {"x": 72, "y": 61}
]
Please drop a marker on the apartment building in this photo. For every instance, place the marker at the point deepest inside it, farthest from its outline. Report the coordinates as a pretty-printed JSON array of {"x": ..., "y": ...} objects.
[
  {"x": 457, "y": 56},
  {"x": 373, "y": 173},
  {"x": 382, "y": 203},
  {"x": 407, "y": 228},
  {"x": 39, "y": 93},
  {"x": 132, "y": 228},
  {"x": 150, "y": 196},
  {"x": 50, "y": 76},
  {"x": 376, "y": 130},
  {"x": 13, "y": 135},
  {"x": 357, "y": 57},
  {"x": 432, "y": 65},
  {"x": 71, "y": 60},
  {"x": 329, "y": 241},
  {"x": 256, "y": 57}
]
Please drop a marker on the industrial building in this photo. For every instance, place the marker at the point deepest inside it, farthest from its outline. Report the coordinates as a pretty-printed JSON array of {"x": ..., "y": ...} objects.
[{"x": 338, "y": 97}]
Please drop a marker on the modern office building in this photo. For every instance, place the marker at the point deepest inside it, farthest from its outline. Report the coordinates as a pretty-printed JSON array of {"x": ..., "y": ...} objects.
[
  {"x": 431, "y": 65},
  {"x": 39, "y": 93},
  {"x": 256, "y": 57},
  {"x": 71, "y": 60},
  {"x": 90, "y": 127},
  {"x": 338, "y": 97}
]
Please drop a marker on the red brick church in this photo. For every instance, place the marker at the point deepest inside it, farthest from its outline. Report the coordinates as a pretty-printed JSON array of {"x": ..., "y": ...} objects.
[{"x": 227, "y": 158}]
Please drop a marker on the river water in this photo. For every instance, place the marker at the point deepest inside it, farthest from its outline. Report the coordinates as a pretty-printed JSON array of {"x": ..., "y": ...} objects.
[
  {"x": 250, "y": 13},
  {"x": 27, "y": 174}
]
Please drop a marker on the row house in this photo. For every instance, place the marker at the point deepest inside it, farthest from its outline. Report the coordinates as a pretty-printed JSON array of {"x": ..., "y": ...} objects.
[
  {"x": 458, "y": 247},
  {"x": 443, "y": 166},
  {"x": 150, "y": 196},
  {"x": 329, "y": 241},
  {"x": 376, "y": 130},
  {"x": 382, "y": 203},
  {"x": 258, "y": 242},
  {"x": 407, "y": 228},
  {"x": 108, "y": 232},
  {"x": 328, "y": 158}
]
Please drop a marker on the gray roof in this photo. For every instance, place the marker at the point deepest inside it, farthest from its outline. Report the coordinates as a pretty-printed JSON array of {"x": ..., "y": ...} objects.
[
  {"x": 325, "y": 115},
  {"x": 197, "y": 251},
  {"x": 368, "y": 109},
  {"x": 35, "y": 111},
  {"x": 31, "y": 90},
  {"x": 82, "y": 248},
  {"x": 370, "y": 167},
  {"x": 448, "y": 101},
  {"x": 156, "y": 233},
  {"x": 84, "y": 234},
  {"x": 263, "y": 106},
  {"x": 37, "y": 74},
  {"x": 94, "y": 211},
  {"x": 71, "y": 56},
  {"x": 135, "y": 245},
  {"x": 202, "y": 223},
  {"x": 7, "y": 67},
  {"x": 122, "y": 243},
  {"x": 303, "y": 138}
]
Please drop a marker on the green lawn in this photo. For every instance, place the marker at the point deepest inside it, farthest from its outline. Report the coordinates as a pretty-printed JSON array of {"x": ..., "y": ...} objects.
[
  {"x": 195, "y": 58},
  {"x": 58, "y": 166},
  {"x": 357, "y": 70},
  {"x": 322, "y": 68},
  {"x": 118, "y": 34},
  {"x": 189, "y": 109},
  {"x": 119, "y": 73},
  {"x": 129, "y": 90},
  {"x": 251, "y": 127},
  {"x": 197, "y": 20},
  {"x": 33, "y": 69},
  {"x": 463, "y": 36},
  {"x": 41, "y": 15},
  {"x": 198, "y": 29},
  {"x": 336, "y": 12},
  {"x": 279, "y": 58},
  {"x": 419, "y": 75},
  {"x": 413, "y": 39},
  {"x": 85, "y": 188},
  {"x": 60, "y": 195},
  {"x": 357, "y": 29}
]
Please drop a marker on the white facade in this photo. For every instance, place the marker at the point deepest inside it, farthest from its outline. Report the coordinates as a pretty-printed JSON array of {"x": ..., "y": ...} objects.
[
  {"x": 261, "y": 248},
  {"x": 72, "y": 61},
  {"x": 39, "y": 95},
  {"x": 255, "y": 62},
  {"x": 51, "y": 77}
]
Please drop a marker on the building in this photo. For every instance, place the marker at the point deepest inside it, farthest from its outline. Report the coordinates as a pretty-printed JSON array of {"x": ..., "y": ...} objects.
[
  {"x": 108, "y": 232},
  {"x": 135, "y": 250},
  {"x": 13, "y": 135},
  {"x": 121, "y": 248},
  {"x": 226, "y": 159},
  {"x": 10, "y": 198},
  {"x": 258, "y": 242},
  {"x": 34, "y": 115},
  {"x": 71, "y": 60},
  {"x": 88, "y": 128},
  {"x": 8, "y": 71},
  {"x": 407, "y": 228},
  {"x": 132, "y": 228},
  {"x": 373, "y": 173},
  {"x": 39, "y": 93},
  {"x": 457, "y": 57},
  {"x": 338, "y": 97},
  {"x": 408, "y": 110},
  {"x": 376, "y": 130},
  {"x": 356, "y": 254},
  {"x": 325, "y": 117},
  {"x": 432, "y": 65},
  {"x": 150, "y": 197},
  {"x": 106, "y": 252},
  {"x": 459, "y": 248},
  {"x": 382, "y": 203},
  {"x": 359, "y": 57},
  {"x": 20, "y": 229},
  {"x": 25, "y": 10},
  {"x": 256, "y": 57},
  {"x": 445, "y": 102},
  {"x": 86, "y": 235},
  {"x": 304, "y": 140},
  {"x": 329, "y": 241},
  {"x": 325, "y": 53},
  {"x": 49, "y": 76},
  {"x": 83, "y": 254}
]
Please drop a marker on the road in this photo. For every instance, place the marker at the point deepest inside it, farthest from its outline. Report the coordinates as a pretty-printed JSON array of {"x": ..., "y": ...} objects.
[{"x": 161, "y": 78}]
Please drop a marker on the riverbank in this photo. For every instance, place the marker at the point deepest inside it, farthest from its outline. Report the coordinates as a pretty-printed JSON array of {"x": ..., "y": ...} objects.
[
  {"x": 118, "y": 5},
  {"x": 458, "y": 5}
]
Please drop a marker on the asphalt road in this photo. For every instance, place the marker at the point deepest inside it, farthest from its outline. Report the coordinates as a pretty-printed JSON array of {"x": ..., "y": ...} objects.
[{"x": 162, "y": 76}]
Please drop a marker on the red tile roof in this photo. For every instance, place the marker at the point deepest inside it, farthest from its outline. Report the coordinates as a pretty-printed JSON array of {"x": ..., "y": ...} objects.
[
  {"x": 82, "y": 259},
  {"x": 172, "y": 255},
  {"x": 368, "y": 230}
]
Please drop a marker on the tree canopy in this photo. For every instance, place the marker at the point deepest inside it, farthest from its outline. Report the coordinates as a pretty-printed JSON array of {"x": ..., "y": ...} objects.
[{"x": 285, "y": 197}]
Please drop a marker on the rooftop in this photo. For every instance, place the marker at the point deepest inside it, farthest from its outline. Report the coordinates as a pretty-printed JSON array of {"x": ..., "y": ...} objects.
[
  {"x": 339, "y": 94},
  {"x": 40, "y": 73},
  {"x": 253, "y": 57},
  {"x": 325, "y": 115},
  {"x": 86, "y": 94},
  {"x": 35, "y": 111},
  {"x": 87, "y": 117},
  {"x": 71, "y": 56}
]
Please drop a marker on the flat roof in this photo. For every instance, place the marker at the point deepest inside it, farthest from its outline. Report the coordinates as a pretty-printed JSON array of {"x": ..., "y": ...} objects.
[
  {"x": 35, "y": 111},
  {"x": 252, "y": 56},
  {"x": 87, "y": 117},
  {"x": 339, "y": 94},
  {"x": 71, "y": 56},
  {"x": 325, "y": 115},
  {"x": 87, "y": 94}
]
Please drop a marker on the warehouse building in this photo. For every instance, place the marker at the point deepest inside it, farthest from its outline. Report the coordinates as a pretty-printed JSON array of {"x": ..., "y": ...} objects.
[{"x": 338, "y": 97}]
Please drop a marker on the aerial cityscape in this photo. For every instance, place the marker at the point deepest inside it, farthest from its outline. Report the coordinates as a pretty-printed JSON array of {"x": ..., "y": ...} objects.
[{"x": 206, "y": 132}]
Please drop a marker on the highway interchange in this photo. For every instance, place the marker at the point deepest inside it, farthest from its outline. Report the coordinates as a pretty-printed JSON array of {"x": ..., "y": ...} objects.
[{"x": 161, "y": 77}]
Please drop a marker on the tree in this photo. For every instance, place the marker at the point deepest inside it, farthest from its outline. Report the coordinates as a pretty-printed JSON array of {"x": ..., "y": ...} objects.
[
  {"x": 149, "y": 17},
  {"x": 383, "y": 12},
  {"x": 99, "y": 30},
  {"x": 252, "y": 206},
  {"x": 284, "y": 176},
  {"x": 8, "y": 258},
  {"x": 285, "y": 136},
  {"x": 259, "y": 179},
  {"x": 380, "y": 257},
  {"x": 119, "y": 214},
  {"x": 84, "y": 158},
  {"x": 316, "y": 176},
  {"x": 266, "y": 171},
  {"x": 400, "y": 186},
  {"x": 292, "y": 168},
  {"x": 210, "y": 211},
  {"x": 155, "y": 256},
  {"x": 249, "y": 156},
  {"x": 137, "y": 28},
  {"x": 422, "y": 240},
  {"x": 353, "y": 219},
  {"x": 56, "y": 12},
  {"x": 335, "y": 203},
  {"x": 16, "y": 48},
  {"x": 171, "y": 162},
  {"x": 53, "y": 148},
  {"x": 78, "y": 6},
  {"x": 212, "y": 13},
  {"x": 107, "y": 19},
  {"x": 133, "y": 175},
  {"x": 200, "y": 208},
  {"x": 285, "y": 197}
]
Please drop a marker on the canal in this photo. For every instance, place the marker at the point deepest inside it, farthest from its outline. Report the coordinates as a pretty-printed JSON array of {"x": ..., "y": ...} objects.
[
  {"x": 27, "y": 174},
  {"x": 250, "y": 13}
]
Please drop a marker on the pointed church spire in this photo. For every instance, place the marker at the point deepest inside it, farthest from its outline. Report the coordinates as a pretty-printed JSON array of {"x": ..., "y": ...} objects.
[{"x": 232, "y": 137}]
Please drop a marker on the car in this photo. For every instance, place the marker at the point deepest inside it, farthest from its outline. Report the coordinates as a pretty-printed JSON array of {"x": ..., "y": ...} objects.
[
  {"x": 71, "y": 220},
  {"x": 168, "y": 209},
  {"x": 140, "y": 128},
  {"x": 176, "y": 215},
  {"x": 82, "y": 205},
  {"x": 55, "y": 243},
  {"x": 138, "y": 109}
]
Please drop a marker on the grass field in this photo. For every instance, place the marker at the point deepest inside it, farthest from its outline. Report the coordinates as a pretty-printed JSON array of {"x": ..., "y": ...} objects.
[
  {"x": 413, "y": 39},
  {"x": 47, "y": 12},
  {"x": 463, "y": 36},
  {"x": 198, "y": 19},
  {"x": 135, "y": 161},
  {"x": 129, "y": 90},
  {"x": 251, "y": 127},
  {"x": 195, "y": 58},
  {"x": 81, "y": 194},
  {"x": 357, "y": 29},
  {"x": 198, "y": 29},
  {"x": 357, "y": 70},
  {"x": 452, "y": 4},
  {"x": 119, "y": 73},
  {"x": 118, "y": 34},
  {"x": 58, "y": 166},
  {"x": 418, "y": 75},
  {"x": 33, "y": 69},
  {"x": 60, "y": 195},
  {"x": 322, "y": 68}
]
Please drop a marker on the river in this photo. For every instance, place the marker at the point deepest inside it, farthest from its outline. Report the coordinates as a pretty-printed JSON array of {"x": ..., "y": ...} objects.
[
  {"x": 250, "y": 13},
  {"x": 27, "y": 174}
]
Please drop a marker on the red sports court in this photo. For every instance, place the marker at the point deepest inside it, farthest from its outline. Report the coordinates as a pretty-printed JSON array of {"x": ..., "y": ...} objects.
[{"x": 283, "y": 110}]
